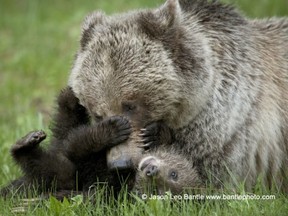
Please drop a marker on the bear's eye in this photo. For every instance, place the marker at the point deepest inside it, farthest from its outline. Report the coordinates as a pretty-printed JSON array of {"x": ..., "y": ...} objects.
[
  {"x": 128, "y": 107},
  {"x": 173, "y": 175},
  {"x": 98, "y": 118}
]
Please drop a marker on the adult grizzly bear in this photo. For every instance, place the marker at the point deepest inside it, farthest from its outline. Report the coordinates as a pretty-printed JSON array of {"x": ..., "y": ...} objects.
[{"x": 219, "y": 81}]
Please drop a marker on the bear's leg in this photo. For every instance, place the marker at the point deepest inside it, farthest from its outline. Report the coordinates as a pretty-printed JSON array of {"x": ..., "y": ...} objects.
[
  {"x": 155, "y": 134},
  {"x": 28, "y": 147},
  {"x": 45, "y": 167},
  {"x": 105, "y": 134},
  {"x": 27, "y": 143},
  {"x": 69, "y": 115}
]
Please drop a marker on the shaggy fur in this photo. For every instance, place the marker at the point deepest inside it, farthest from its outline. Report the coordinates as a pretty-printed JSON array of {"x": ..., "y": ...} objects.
[
  {"x": 76, "y": 157},
  {"x": 217, "y": 79},
  {"x": 165, "y": 169}
]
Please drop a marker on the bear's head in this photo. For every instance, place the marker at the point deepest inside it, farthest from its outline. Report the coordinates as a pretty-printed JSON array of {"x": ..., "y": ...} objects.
[
  {"x": 166, "y": 169},
  {"x": 146, "y": 65}
]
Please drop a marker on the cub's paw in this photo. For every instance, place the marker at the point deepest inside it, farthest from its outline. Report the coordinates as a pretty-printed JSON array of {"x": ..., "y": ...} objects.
[
  {"x": 68, "y": 101},
  {"x": 155, "y": 134},
  {"x": 116, "y": 130},
  {"x": 31, "y": 140}
]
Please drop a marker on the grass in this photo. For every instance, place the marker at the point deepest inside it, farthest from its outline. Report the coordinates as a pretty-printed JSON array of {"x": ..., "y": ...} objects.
[
  {"x": 125, "y": 205},
  {"x": 38, "y": 40}
]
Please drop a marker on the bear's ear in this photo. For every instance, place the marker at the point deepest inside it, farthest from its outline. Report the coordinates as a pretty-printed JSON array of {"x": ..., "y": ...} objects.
[
  {"x": 167, "y": 17},
  {"x": 90, "y": 21},
  {"x": 170, "y": 13}
]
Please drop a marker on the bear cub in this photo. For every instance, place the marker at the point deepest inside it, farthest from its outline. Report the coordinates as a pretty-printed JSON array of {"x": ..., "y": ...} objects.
[
  {"x": 166, "y": 169},
  {"x": 76, "y": 156}
]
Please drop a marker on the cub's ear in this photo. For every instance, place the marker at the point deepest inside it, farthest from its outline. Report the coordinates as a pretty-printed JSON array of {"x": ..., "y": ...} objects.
[
  {"x": 90, "y": 21},
  {"x": 161, "y": 21}
]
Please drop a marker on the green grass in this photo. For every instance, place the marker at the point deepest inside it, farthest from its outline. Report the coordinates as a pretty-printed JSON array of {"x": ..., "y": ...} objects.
[
  {"x": 38, "y": 40},
  {"x": 127, "y": 205}
]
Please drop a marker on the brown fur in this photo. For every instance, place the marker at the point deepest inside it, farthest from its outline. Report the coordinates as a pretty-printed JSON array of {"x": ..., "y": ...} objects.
[
  {"x": 76, "y": 156},
  {"x": 217, "y": 79},
  {"x": 165, "y": 169}
]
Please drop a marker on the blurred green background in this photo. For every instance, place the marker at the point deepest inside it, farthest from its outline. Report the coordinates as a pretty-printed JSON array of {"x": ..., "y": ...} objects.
[{"x": 38, "y": 39}]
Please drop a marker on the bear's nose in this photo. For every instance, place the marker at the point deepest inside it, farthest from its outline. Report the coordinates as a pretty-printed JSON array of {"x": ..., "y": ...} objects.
[
  {"x": 149, "y": 166},
  {"x": 121, "y": 164},
  {"x": 151, "y": 170}
]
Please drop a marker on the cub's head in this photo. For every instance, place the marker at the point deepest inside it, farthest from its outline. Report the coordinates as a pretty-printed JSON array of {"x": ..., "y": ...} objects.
[
  {"x": 146, "y": 65},
  {"x": 163, "y": 171}
]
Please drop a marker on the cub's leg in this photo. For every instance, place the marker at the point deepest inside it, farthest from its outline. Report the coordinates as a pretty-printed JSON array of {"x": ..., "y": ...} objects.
[
  {"x": 28, "y": 143},
  {"x": 69, "y": 115},
  {"x": 85, "y": 140},
  {"x": 40, "y": 165}
]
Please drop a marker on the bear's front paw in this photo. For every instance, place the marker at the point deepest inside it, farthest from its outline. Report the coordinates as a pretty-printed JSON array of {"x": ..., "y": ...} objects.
[
  {"x": 150, "y": 135},
  {"x": 68, "y": 101},
  {"x": 155, "y": 134},
  {"x": 118, "y": 130},
  {"x": 31, "y": 140}
]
